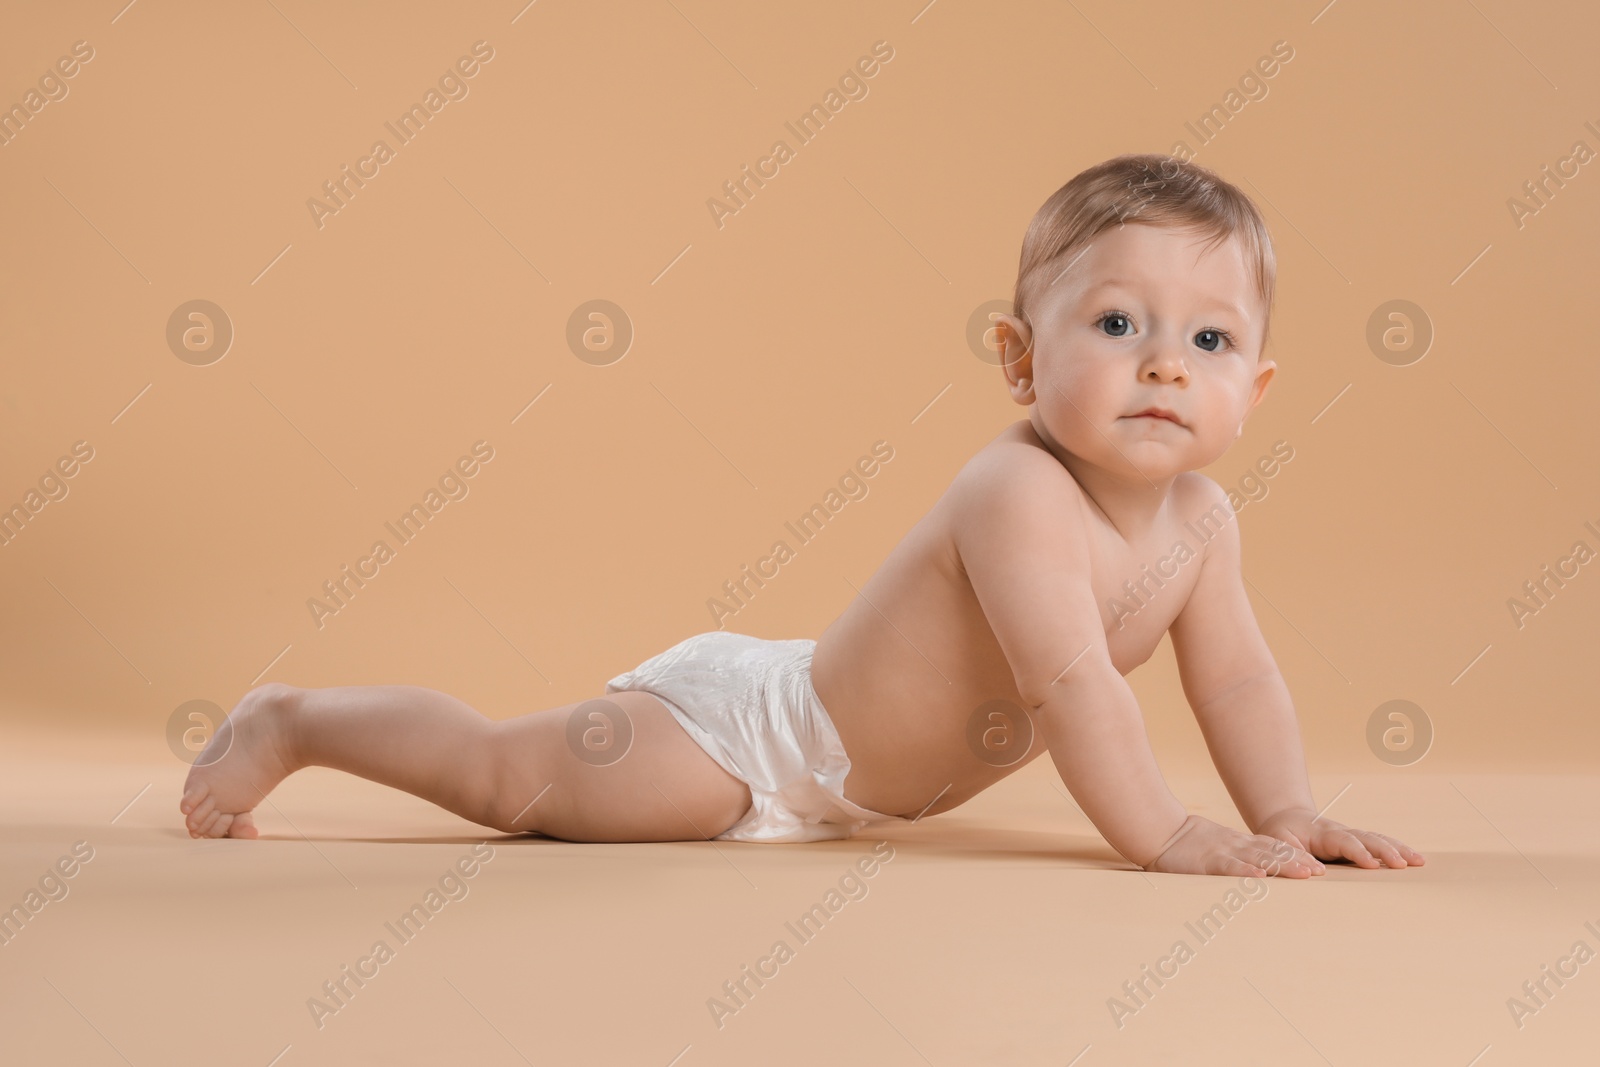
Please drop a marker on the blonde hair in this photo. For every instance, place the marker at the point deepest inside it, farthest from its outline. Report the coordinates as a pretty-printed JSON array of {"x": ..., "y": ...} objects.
[{"x": 1151, "y": 189}]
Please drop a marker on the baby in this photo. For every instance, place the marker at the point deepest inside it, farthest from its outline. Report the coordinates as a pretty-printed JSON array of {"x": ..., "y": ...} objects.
[{"x": 994, "y": 632}]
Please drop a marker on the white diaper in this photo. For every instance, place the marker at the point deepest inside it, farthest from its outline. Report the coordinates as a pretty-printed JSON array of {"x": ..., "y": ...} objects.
[{"x": 749, "y": 703}]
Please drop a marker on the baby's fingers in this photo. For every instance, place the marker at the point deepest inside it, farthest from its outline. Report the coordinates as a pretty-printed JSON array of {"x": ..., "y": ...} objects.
[
  {"x": 1412, "y": 856},
  {"x": 1281, "y": 860},
  {"x": 1392, "y": 852},
  {"x": 1366, "y": 849},
  {"x": 1235, "y": 867}
]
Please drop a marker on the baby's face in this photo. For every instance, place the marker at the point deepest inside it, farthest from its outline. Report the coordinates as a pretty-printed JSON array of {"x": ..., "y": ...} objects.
[{"x": 1143, "y": 320}]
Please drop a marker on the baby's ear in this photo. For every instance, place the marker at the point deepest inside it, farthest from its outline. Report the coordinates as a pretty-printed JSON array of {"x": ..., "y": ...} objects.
[
  {"x": 1013, "y": 341},
  {"x": 1014, "y": 349},
  {"x": 1265, "y": 369}
]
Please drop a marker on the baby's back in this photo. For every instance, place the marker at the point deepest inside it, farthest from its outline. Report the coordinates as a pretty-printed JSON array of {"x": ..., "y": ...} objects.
[{"x": 912, "y": 662}]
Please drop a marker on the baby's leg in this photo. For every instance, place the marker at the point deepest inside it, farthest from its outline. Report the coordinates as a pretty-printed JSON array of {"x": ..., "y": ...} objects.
[{"x": 515, "y": 775}]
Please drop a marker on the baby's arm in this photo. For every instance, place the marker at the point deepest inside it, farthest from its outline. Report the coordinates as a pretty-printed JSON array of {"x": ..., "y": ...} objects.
[
  {"x": 1247, "y": 717},
  {"x": 1022, "y": 541}
]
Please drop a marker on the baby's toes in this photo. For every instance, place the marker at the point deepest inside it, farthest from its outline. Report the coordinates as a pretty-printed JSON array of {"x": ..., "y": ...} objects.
[
  {"x": 218, "y": 826},
  {"x": 199, "y": 815},
  {"x": 207, "y": 826},
  {"x": 194, "y": 791},
  {"x": 244, "y": 826}
]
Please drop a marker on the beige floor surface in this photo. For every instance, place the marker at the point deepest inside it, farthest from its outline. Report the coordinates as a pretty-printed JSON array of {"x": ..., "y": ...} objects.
[{"x": 998, "y": 933}]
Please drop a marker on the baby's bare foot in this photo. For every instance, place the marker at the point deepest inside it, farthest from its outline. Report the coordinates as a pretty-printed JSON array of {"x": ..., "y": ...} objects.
[{"x": 247, "y": 757}]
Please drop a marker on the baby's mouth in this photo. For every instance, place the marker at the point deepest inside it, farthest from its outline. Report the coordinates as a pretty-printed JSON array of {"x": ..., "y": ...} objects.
[{"x": 1156, "y": 414}]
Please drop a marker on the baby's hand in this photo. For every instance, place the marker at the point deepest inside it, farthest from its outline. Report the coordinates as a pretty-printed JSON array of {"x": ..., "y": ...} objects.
[
  {"x": 1330, "y": 840},
  {"x": 1203, "y": 847}
]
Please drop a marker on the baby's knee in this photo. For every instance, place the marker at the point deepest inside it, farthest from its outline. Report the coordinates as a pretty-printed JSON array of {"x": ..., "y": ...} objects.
[{"x": 517, "y": 784}]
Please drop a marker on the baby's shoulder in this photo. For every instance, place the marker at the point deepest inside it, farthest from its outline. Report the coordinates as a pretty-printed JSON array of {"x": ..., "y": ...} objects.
[
  {"x": 1014, "y": 484},
  {"x": 1197, "y": 496},
  {"x": 1196, "y": 486},
  {"x": 1015, "y": 461}
]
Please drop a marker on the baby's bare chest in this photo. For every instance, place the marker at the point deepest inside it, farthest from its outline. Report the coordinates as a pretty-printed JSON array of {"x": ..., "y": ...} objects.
[
  {"x": 913, "y": 658},
  {"x": 917, "y": 635},
  {"x": 1141, "y": 588}
]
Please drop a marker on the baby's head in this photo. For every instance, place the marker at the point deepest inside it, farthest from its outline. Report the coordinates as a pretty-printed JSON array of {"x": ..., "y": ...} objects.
[{"x": 1145, "y": 282}]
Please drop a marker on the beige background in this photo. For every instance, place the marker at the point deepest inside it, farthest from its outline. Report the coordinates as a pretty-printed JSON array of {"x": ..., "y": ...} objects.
[
  {"x": 769, "y": 354},
  {"x": 822, "y": 317}
]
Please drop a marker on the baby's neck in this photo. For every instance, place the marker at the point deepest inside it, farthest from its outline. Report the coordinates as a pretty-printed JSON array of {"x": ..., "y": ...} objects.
[{"x": 1133, "y": 508}]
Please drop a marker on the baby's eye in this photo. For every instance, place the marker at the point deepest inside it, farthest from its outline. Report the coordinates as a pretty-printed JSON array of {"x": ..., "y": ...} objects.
[
  {"x": 1206, "y": 339},
  {"x": 1114, "y": 316}
]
